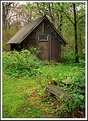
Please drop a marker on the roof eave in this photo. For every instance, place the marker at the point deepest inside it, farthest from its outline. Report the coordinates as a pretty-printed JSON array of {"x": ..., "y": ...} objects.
[{"x": 31, "y": 30}]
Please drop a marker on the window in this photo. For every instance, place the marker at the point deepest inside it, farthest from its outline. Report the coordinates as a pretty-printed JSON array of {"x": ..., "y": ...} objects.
[{"x": 43, "y": 37}]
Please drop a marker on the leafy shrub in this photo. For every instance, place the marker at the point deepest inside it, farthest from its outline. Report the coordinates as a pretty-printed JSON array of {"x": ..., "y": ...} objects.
[
  {"x": 68, "y": 57},
  {"x": 82, "y": 62},
  {"x": 82, "y": 55},
  {"x": 72, "y": 106},
  {"x": 21, "y": 63},
  {"x": 34, "y": 50}
]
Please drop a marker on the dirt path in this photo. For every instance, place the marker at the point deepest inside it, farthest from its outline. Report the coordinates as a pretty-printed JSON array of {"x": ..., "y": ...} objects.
[{"x": 47, "y": 107}]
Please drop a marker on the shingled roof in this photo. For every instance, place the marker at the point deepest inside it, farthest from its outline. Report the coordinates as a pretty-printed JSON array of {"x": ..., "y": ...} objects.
[{"x": 26, "y": 30}]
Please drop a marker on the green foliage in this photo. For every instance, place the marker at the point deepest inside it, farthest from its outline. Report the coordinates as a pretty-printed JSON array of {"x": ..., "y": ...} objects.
[
  {"x": 9, "y": 32},
  {"x": 34, "y": 112},
  {"x": 71, "y": 106},
  {"x": 21, "y": 63},
  {"x": 26, "y": 95},
  {"x": 62, "y": 71},
  {"x": 68, "y": 57},
  {"x": 34, "y": 50},
  {"x": 75, "y": 75}
]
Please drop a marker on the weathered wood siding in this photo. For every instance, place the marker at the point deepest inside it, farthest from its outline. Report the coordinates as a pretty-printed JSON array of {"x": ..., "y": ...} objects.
[{"x": 55, "y": 44}]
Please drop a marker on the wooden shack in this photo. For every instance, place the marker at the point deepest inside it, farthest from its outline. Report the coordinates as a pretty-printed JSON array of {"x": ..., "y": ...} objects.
[{"x": 42, "y": 34}]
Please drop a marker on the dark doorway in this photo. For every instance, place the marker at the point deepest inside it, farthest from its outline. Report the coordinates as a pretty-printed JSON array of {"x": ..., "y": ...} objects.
[{"x": 17, "y": 47}]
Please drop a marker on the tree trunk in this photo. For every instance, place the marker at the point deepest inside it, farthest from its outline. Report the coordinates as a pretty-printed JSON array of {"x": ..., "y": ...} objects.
[
  {"x": 76, "y": 40},
  {"x": 50, "y": 13},
  {"x": 80, "y": 41},
  {"x": 61, "y": 22}
]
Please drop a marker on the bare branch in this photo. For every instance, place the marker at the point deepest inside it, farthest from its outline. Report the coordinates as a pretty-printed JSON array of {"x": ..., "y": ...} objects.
[{"x": 80, "y": 18}]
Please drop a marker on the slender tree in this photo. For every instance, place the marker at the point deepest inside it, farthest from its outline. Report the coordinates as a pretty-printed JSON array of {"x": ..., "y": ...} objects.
[{"x": 75, "y": 31}]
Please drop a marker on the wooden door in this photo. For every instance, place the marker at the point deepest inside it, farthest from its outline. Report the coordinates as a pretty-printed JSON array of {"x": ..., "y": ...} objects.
[
  {"x": 43, "y": 43},
  {"x": 44, "y": 51}
]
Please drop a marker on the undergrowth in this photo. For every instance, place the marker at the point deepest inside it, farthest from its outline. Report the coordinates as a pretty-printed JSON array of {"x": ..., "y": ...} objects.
[{"x": 24, "y": 74}]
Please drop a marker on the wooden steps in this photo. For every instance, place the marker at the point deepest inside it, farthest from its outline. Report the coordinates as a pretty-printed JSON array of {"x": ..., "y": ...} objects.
[{"x": 57, "y": 91}]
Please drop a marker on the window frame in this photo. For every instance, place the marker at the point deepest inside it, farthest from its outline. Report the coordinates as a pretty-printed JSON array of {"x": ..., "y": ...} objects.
[{"x": 45, "y": 40}]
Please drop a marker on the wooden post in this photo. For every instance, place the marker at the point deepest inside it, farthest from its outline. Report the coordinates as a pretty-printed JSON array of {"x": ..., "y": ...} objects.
[{"x": 43, "y": 28}]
